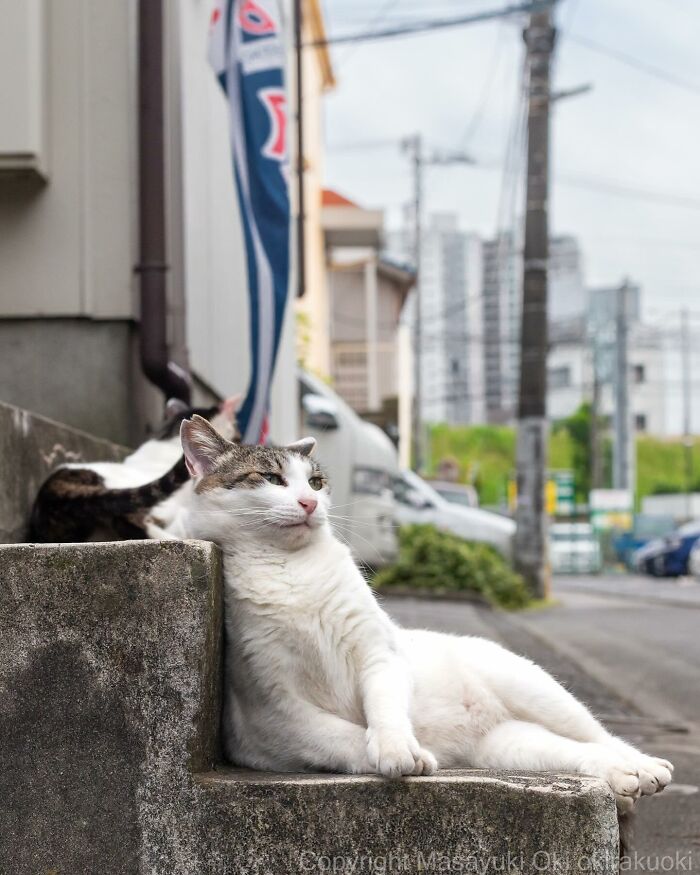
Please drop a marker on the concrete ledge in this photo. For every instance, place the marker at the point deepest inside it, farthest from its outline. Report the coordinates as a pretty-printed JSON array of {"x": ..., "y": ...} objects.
[
  {"x": 110, "y": 671},
  {"x": 455, "y": 821},
  {"x": 30, "y": 447},
  {"x": 110, "y": 659}
]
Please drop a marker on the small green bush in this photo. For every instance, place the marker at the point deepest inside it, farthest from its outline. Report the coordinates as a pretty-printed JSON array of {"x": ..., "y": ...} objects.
[{"x": 434, "y": 560}]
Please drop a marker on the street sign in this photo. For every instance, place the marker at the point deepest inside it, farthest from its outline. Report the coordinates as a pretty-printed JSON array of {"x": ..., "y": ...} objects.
[
  {"x": 611, "y": 509},
  {"x": 559, "y": 494},
  {"x": 565, "y": 504}
]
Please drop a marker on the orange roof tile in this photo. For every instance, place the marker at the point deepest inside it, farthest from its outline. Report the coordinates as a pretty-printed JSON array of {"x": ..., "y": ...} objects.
[{"x": 330, "y": 198}]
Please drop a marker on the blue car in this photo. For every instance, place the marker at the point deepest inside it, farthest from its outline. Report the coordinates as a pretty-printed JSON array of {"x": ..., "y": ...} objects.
[
  {"x": 645, "y": 529},
  {"x": 668, "y": 557}
]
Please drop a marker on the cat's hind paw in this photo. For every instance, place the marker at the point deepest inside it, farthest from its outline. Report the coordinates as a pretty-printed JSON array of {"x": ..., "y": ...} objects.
[
  {"x": 625, "y": 784},
  {"x": 622, "y": 777},
  {"x": 654, "y": 774}
]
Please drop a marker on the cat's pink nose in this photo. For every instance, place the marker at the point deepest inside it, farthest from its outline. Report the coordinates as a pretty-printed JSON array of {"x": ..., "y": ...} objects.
[{"x": 309, "y": 505}]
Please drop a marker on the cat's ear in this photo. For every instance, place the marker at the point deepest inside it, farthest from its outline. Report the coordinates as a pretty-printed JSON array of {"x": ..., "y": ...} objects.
[
  {"x": 304, "y": 446},
  {"x": 202, "y": 445},
  {"x": 229, "y": 406}
]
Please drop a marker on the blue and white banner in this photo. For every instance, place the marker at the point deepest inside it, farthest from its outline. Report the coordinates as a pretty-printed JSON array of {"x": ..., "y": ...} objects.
[{"x": 247, "y": 53}]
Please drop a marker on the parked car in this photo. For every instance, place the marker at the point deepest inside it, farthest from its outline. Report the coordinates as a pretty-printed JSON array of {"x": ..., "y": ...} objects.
[
  {"x": 668, "y": 557},
  {"x": 646, "y": 528},
  {"x": 362, "y": 463},
  {"x": 694, "y": 560},
  {"x": 574, "y": 549},
  {"x": 456, "y": 493},
  {"x": 418, "y": 502}
]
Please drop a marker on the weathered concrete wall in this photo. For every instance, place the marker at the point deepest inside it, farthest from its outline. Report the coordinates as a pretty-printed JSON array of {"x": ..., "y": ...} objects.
[
  {"x": 110, "y": 676},
  {"x": 109, "y": 700},
  {"x": 30, "y": 447},
  {"x": 78, "y": 371}
]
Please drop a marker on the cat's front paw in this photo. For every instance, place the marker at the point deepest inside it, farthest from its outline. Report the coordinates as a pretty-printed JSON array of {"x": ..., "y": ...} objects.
[{"x": 393, "y": 753}]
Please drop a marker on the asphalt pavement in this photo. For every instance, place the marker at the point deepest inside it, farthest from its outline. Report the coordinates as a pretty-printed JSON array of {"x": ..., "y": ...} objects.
[{"x": 630, "y": 648}]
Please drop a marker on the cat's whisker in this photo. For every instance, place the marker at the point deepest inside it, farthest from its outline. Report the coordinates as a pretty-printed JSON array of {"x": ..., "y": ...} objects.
[{"x": 369, "y": 543}]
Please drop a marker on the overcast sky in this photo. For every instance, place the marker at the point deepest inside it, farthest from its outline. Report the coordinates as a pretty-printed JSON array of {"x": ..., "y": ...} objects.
[{"x": 633, "y": 130}]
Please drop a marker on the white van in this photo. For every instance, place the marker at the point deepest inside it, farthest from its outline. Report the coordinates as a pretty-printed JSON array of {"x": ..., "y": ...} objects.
[{"x": 362, "y": 463}]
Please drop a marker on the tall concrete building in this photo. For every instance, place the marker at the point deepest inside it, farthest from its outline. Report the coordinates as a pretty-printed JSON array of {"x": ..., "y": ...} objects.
[
  {"x": 582, "y": 352},
  {"x": 502, "y": 281},
  {"x": 502, "y": 290},
  {"x": 451, "y": 309}
]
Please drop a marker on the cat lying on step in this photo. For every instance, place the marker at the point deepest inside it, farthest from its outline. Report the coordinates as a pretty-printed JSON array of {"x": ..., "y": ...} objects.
[
  {"x": 83, "y": 501},
  {"x": 319, "y": 678}
]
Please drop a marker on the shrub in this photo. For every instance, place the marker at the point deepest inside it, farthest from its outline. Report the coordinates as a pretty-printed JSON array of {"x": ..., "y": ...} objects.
[{"x": 433, "y": 560}]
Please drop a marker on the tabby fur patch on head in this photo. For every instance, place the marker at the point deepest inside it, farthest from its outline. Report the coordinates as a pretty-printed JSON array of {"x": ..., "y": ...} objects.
[
  {"x": 248, "y": 467},
  {"x": 275, "y": 494}
]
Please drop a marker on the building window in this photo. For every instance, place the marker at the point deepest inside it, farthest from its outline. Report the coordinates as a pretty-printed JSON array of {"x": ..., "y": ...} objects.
[
  {"x": 559, "y": 378},
  {"x": 640, "y": 374},
  {"x": 640, "y": 421}
]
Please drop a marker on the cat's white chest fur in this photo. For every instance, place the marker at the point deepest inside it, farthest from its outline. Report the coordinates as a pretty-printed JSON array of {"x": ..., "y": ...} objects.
[{"x": 298, "y": 625}]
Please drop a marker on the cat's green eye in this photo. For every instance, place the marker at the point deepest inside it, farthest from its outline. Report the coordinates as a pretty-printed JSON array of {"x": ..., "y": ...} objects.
[
  {"x": 316, "y": 483},
  {"x": 275, "y": 479}
]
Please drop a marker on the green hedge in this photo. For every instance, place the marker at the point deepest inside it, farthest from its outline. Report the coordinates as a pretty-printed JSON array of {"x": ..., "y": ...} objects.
[{"x": 434, "y": 560}]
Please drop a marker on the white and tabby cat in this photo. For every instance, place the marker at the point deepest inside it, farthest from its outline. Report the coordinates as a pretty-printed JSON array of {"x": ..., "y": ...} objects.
[
  {"x": 91, "y": 501},
  {"x": 319, "y": 677}
]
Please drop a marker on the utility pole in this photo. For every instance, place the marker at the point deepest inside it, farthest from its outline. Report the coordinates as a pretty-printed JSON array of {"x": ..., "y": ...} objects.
[
  {"x": 596, "y": 448},
  {"x": 530, "y": 551},
  {"x": 687, "y": 423},
  {"x": 623, "y": 449},
  {"x": 414, "y": 145}
]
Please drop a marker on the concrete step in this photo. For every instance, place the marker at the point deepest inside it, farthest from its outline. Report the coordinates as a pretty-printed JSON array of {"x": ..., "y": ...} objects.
[
  {"x": 455, "y": 821},
  {"x": 110, "y": 696},
  {"x": 30, "y": 447}
]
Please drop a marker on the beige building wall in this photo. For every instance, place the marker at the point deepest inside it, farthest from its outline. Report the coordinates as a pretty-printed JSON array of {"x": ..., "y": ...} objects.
[
  {"x": 352, "y": 340},
  {"x": 313, "y": 306},
  {"x": 67, "y": 246}
]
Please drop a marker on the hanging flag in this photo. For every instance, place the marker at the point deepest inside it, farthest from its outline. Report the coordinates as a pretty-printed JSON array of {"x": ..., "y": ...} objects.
[{"x": 246, "y": 51}]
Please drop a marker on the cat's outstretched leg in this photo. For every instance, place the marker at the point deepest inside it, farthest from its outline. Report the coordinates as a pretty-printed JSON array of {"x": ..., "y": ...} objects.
[
  {"x": 519, "y": 745},
  {"x": 531, "y": 694},
  {"x": 309, "y": 739}
]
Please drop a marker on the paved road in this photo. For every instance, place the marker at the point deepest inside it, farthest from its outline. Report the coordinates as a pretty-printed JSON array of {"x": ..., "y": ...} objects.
[
  {"x": 683, "y": 591},
  {"x": 634, "y": 657}
]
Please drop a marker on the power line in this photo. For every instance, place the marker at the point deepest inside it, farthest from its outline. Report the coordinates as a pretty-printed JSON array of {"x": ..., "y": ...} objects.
[
  {"x": 622, "y": 190},
  {"x": 635, "y": 63},
  {"x": 573, "y": 180},
  {"x": 381, "y": 15},
  {"x": 477, "y": 116},
  {"x": 437, "y": 24}
]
